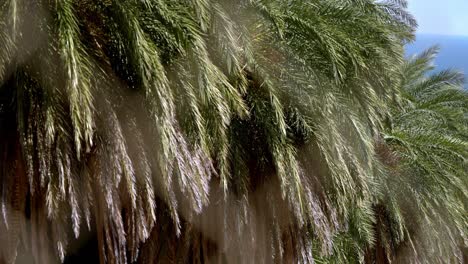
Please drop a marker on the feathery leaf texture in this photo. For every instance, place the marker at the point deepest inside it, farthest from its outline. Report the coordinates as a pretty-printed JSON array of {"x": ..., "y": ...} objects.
[{"x": 226, "y": 131}]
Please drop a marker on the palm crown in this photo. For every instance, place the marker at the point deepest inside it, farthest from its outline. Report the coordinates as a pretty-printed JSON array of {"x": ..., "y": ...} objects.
[{"x": 224, "y": 131}]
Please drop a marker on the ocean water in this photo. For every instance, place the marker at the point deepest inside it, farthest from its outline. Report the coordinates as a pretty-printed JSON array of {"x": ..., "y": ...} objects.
[{"x": 453, "y": 51}]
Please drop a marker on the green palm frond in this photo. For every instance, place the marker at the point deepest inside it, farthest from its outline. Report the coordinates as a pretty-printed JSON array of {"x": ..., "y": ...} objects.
[
  {"x": 429, "y": 136},
  {"x": 222, "y": 131}
]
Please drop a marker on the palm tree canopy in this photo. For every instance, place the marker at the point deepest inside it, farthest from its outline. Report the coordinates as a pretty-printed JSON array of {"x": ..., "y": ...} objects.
[
  {"x": 225, "y": 131},
  {"x": 428, "y": 136}
]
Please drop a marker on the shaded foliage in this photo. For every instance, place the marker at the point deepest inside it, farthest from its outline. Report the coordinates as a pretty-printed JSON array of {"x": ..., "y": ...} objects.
[{"x": 224, "y": 131}]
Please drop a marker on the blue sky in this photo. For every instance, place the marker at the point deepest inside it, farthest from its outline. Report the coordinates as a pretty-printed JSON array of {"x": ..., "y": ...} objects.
[{"x": 445, "y": 17}]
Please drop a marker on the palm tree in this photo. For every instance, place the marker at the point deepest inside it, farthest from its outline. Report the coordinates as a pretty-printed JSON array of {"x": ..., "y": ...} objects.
[
  {"x": 425, "y": 144},
  {"x": 197, "y": 130}
]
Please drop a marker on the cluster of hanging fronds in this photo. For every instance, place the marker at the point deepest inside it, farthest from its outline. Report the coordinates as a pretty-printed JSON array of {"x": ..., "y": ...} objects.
[
  {"x": 427, "y": 184},
  {"x": 246, "y": 131}
]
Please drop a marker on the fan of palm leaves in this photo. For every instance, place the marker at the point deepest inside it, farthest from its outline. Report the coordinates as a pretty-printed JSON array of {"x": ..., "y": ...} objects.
[
  {"x": 426, "y": 148},
  {"x": 199, "y": 130}
]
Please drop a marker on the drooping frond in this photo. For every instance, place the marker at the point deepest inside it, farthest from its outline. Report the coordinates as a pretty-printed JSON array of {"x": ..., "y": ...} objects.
[
  {"x": 219, "y": 131},
  {"x": 428, "y": 138}
]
